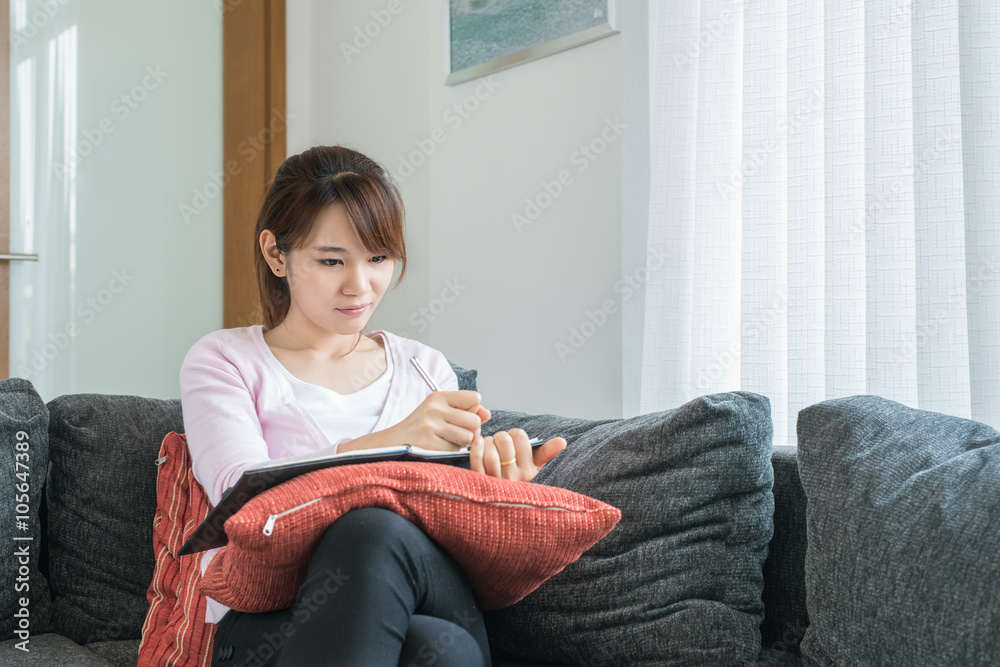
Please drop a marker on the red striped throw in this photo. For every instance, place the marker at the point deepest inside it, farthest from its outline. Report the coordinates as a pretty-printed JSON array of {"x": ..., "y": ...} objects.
[{"x": 175, "y": 632}]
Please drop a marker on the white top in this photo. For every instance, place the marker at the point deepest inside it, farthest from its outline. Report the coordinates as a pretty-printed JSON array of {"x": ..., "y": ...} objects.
[{"x": 343, "y": 416}]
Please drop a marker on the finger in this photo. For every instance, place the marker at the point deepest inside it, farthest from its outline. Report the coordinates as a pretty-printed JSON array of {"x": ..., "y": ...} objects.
[
  {"x": 484, "y": 414},
  {"x": 463, "y": 427},
  {"x": 524, "y": 468},
  {"x": 506, "y": 453},
  {"x": 491, "y": 455},
  {"x": 545, "y": 453},
  {"x": 463, "y": 399},
  {"x": 476, "y": 456}
]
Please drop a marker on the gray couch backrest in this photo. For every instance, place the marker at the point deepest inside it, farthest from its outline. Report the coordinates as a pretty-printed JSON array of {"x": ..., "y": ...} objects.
[
  {"x": 103, "y": 449},
  {"x": 785, "y": 617}
]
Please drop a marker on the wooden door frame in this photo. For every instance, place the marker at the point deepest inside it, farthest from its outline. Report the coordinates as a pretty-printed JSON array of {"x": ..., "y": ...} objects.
[{"x": 254, "y": 140}]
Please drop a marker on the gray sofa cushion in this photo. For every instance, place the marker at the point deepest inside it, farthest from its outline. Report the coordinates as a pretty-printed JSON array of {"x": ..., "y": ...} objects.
[
  {"x": 904, "y": 530},
  {"x": 466, "y": 377},
  {"x": 101, "y": 501},
  {"x": 785, "y": 616},
  {"x": 24, "y": 459},
  {"x": 678, "y": 581},
  {"x": 51, "y": 650},
  {"x": 120, "y": 653}
]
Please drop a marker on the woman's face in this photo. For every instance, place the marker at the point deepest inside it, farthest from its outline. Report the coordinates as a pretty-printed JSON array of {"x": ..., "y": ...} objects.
[{"x": 332, "y": 272}]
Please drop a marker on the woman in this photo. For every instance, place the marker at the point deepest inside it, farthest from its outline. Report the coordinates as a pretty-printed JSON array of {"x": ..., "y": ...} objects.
[{"x": 310, "y": 382}]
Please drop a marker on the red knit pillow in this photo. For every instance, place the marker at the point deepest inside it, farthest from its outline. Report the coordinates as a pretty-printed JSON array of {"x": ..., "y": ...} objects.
[
  {"x": 508, "y": 536},
  {"x": 175, "y": 631}
]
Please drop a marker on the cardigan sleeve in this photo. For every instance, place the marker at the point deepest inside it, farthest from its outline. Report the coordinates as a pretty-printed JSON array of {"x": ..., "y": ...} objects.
[
  {"x": 223, "y": 429},
  {"x": 445, "y": 376},
  {"x": 436, "y": 363}
]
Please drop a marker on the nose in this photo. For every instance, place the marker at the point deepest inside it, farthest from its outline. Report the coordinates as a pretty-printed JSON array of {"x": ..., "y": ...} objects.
[{"x": 357, "y": 280}]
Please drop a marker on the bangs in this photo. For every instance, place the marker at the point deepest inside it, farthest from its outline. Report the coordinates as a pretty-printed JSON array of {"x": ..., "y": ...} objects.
[{"x": 375, "y": 213}]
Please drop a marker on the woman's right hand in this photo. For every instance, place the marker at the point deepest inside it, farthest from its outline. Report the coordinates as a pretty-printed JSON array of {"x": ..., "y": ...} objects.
[{"x": 445, "y": 420}]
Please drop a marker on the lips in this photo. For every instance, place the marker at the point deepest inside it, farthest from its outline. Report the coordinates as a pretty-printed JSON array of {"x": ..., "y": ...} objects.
[{"x": 357, "y": 310}]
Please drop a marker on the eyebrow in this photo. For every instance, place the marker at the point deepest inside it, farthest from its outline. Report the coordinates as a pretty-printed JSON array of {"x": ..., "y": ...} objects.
[{"x": 329, "y": 248}]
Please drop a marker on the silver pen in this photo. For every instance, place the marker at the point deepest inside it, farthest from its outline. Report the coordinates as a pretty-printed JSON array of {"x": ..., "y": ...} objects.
[{"x": 424, "y": 374}]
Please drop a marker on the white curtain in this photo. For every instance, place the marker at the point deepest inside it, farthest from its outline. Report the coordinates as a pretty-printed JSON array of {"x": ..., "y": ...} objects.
[
  {"x": 824, "y": 176},
  {"x": 43, "y": 136}
]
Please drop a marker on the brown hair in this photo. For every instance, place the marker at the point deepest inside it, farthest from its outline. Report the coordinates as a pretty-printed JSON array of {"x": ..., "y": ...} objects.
[{"x": 303, "y": 187}]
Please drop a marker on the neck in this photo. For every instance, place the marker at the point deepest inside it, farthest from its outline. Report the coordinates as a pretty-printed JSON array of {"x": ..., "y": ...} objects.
[{"x": 295, "y": 335}]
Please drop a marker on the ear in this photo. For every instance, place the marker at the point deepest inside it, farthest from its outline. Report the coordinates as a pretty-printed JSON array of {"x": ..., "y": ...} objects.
[{"x": 269, "y": 248}]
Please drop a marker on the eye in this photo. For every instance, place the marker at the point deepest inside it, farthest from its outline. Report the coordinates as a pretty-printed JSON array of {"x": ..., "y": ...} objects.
[
  {"x": 323, "y": 261},
  {"x": 380, "y": 258}
]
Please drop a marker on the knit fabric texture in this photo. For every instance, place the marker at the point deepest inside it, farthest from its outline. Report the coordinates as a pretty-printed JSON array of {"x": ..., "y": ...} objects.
[
  {"x": 509, "y": 536},
  {"x": 175, "y": 633},
  {"x": 903, "y": 516},
  {"x": 679, "y": 580}
]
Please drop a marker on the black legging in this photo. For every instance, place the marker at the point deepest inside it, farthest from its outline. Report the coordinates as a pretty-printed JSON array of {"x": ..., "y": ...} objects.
[{"x": 379, "y": 592}]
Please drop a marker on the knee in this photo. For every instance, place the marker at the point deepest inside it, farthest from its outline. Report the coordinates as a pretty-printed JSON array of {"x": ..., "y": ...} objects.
[
  {"x": 366, "y": 528},
  {"x": 435, "y": 641}
]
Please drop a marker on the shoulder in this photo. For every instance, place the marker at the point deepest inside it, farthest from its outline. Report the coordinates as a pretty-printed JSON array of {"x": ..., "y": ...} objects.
[
  {"x": 235, "y": 345},
  {"x": 408, "y": 346}
]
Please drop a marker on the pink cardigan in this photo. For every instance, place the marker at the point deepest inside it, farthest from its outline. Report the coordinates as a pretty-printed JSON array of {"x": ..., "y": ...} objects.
[{"x": 239, "y": 410}]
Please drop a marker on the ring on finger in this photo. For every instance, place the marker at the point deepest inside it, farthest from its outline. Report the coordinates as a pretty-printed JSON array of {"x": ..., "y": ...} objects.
[{"x": 507, "y": 463}]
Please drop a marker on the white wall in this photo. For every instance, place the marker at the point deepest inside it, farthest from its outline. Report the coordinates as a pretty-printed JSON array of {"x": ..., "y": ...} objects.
[
  {"x": 520, "y": 293},
  {"x": 116, "y": 121}
]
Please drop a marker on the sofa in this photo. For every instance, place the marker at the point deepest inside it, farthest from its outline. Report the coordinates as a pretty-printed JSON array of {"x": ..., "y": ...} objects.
[{"x": 93, "y": 486}]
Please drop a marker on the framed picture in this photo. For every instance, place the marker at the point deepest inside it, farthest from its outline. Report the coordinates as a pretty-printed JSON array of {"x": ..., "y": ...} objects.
[{"x": 490, "y": 35}]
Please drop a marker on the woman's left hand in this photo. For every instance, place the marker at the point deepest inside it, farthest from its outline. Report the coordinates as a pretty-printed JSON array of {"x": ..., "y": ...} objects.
[{"x": 512, "y": 446}]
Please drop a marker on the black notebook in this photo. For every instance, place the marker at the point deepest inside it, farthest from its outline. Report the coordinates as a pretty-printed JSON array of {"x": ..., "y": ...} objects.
[{"x": 211, "y": 533}]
